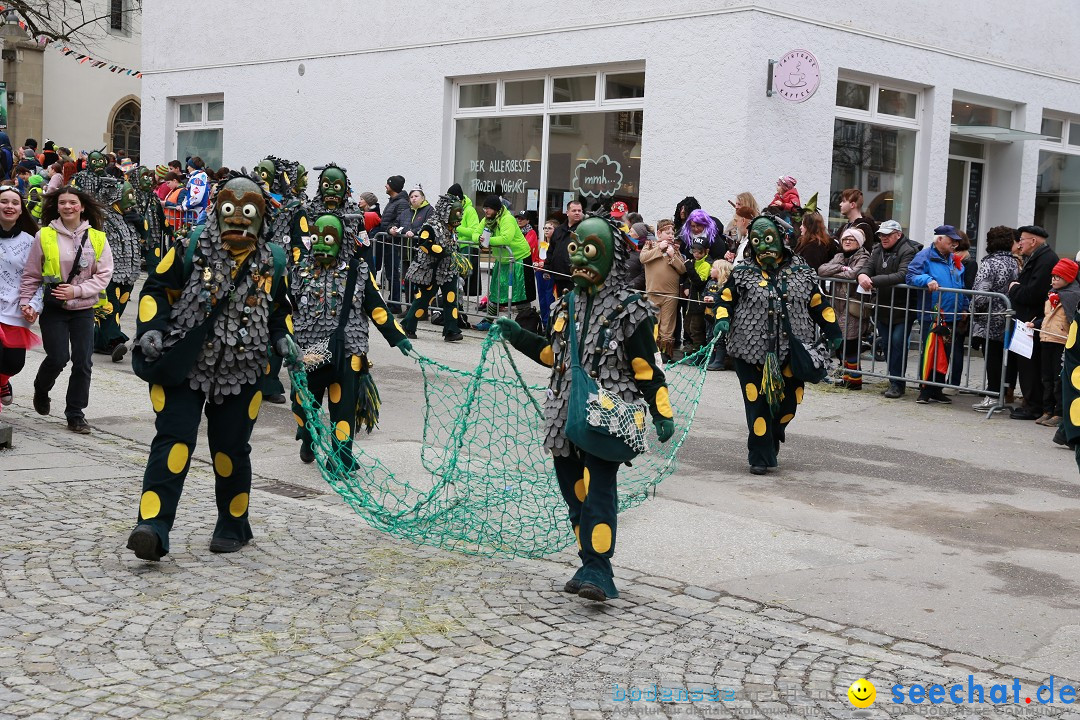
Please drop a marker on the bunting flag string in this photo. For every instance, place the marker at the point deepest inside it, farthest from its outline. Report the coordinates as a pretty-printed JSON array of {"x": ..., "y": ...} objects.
[{"x": 81, "y": 58}]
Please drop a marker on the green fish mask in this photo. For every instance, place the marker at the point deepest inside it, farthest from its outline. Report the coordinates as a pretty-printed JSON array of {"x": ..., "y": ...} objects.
[
  {"x": 592, "y": 254},
  {"x": 326, "y": 244},
  {"x": 766, "y": 243}
]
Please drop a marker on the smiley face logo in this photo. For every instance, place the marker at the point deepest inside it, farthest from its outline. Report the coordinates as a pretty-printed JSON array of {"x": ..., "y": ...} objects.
[{"x": 862, "y": 693}]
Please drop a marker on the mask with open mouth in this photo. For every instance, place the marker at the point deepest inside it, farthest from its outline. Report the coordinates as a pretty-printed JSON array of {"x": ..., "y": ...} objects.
[
  {"x": 766, "y": 243},
  {"x": 592, "y": 253},
  {"x": 326, "y": 243},
  {"x": 96, "y": 162},
  {"x": 333, "y": 186},
  {"x": 240, "y": 212},
  {"x": 127, "y": 197},
  {"x": 145, "y": 179}
]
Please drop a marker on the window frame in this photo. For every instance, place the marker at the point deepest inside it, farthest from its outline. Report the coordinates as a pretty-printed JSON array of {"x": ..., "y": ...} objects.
[
  {"x": 202, "y": 124},
  {"x": 872, "y": 116},
  {"x": 548, "y": 109},
  {"x": 1068, "y": 121},
  {"x": 124, "y": 15}
]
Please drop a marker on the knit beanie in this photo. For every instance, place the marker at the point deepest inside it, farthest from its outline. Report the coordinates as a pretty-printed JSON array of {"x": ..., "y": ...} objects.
[
  {"x": 1065, "y": 269},
  {"x": 493, "y": 202},
  {"x": 370, "y": 199},
  {"x": 456, "y": 191},
  {"x": 787, "y": 181},
  {"x": 856, "y": 233},
  {"x": 396, "y": 183},
  {"x": 161, "y": 171},
  {"x": 641, "y": 230}
]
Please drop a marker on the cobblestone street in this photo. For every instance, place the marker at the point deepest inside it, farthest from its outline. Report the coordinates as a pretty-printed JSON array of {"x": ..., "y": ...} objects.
[{"x": 323, "y": 617}]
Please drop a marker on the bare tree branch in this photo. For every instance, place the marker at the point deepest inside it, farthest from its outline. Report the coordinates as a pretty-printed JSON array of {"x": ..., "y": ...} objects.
[{"x": 69, "y": 21}]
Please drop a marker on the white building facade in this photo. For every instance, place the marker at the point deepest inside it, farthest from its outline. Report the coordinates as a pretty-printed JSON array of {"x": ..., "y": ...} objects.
[
  {"x": 957, "y": 112},
  {"x": 86, "y": 107}
]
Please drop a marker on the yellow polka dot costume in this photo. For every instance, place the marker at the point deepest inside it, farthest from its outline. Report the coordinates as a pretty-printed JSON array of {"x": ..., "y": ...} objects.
[
  {"x": 1070, "y": 387},
  {"x": 614, "y": 330},
  {"x": 253, "y": 307},
  {"x": 433, "y": 268},
  {"x": 752, "y": 308}
]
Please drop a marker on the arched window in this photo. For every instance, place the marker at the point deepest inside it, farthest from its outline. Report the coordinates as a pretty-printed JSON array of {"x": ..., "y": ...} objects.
[{"x": 125, "y": 129}]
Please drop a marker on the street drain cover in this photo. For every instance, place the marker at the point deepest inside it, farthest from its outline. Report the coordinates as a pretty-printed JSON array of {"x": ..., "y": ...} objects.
[{"x": 289, "y": 490}]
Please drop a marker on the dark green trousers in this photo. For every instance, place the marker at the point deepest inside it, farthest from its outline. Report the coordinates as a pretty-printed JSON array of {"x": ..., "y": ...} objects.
[
  {"x": 228, "y": 429},
  {"x": 588, "y": 485},
  {"x": 766, "y": 430},
  {"x": 272, "y": 383},
  {"x": 341, "y": 392},
  {"x": 422, "y": 299},
  {"x": 107, "y": 333}
]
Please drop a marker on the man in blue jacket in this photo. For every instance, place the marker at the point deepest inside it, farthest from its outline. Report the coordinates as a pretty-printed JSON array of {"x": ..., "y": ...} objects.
[{"x": 939, "y": 271}]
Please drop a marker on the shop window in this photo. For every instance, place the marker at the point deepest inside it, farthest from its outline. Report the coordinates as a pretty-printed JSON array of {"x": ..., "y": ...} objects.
[
  {"x": 874, "y": 147},
  {"x": 1057, "y": 200},
  {"x": 878, "y": 160},
  {"x": 500, "y": 155},
  {"x": 595, "y": 162}
]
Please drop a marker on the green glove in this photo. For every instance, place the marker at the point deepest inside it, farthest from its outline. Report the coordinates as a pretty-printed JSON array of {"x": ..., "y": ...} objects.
[
  {"x": 510, "y": 329},
  {"x": 404, "y": 346},
  {"x": 836, "y": 342},
  {"x": 722, "y": 326},
  {"x": 665, "y": 428}
]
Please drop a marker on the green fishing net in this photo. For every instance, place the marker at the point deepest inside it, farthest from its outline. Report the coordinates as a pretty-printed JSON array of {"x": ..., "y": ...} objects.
[{"x": 489, "y": 487}]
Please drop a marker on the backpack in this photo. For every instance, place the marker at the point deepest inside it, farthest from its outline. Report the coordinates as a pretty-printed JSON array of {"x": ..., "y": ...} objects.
[{"x": 529, "y": 320}]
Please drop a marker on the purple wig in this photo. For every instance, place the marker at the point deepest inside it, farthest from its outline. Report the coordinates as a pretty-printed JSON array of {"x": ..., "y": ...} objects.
[{"x": 701, "y": 218}]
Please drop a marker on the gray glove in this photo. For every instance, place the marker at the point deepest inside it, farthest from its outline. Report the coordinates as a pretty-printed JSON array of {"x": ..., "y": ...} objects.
[
  {"x": 286, "y": 348},
  {"x": 151, "y": 344}
]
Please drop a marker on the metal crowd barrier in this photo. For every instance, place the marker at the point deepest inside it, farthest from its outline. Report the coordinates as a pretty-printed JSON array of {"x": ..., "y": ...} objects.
[
  {"x": 877, "y": 331},
  {"x": 393, "y": 254}
]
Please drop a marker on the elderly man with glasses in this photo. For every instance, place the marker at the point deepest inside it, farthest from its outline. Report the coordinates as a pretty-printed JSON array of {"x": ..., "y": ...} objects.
[{"x": 1027, "y": 295}]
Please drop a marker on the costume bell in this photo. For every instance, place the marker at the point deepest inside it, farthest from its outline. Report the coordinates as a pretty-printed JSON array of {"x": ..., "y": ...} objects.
[
  {"x": 433, "y": 269},
  {"x": 767, "y": 293},
  {"x": 127, "y": 261},
  {"x": 615, "y": 330},
  {"x": 209, "y": 313},
  {"x": 334, "y": 295}
]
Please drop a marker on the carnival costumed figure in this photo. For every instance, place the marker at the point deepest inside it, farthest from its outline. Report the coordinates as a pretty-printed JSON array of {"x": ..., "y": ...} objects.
[
  {"x": 207, "y": 316},
  {"x": 770, "y": 300},
  {"x": 274, "y": 176},
  {"x": 148, "y": 206},
  {"x": 35, "y": 194},
  {"x": 127, "y": 260},
  {"x": 334, "y": 194},
  {"x": 604, "y": 336},
  {"x": 433, "y": 269},
  {"x": 93, "y": 180},
  {"x": 334, "y": 294}
]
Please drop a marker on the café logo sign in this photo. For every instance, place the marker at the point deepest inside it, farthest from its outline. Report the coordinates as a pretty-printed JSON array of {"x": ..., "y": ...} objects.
[
  {"x": 796, "y": 76},
  {"x": 598, "y": 178}
]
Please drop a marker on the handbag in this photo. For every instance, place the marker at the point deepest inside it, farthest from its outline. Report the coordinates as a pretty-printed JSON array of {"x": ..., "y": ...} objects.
[
  {"x": 809, "y": 363},
  {"x": 597, "y": 421},
  {"x": 47, "y": 298}
]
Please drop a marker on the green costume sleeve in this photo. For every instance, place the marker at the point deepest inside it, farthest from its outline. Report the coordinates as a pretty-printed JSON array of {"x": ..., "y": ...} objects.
[
  {"x": 1070, "y": 383},
  {"x": 649, "y": 378},
  {"x": 375, "y": 308},
  {"x": 535, "y": 347},
  {"x": 824, "y": 316},
  {"x": 162, "y": 287},
  {"x": 280, "y": 321},
  {"x": 468, "y": 232}
]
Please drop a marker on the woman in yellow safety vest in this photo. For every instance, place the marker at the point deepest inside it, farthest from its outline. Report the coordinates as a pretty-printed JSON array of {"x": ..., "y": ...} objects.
[{"x": 72, "y": 262}]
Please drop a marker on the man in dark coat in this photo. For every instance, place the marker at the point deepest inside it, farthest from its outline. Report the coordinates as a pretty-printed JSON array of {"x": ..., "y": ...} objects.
[
  {"x": 1028, "y": 294},
  {"x": 392, "y": 255},
  {"x": 888, "y": 267},
  {"x": 558, "y": 258}
]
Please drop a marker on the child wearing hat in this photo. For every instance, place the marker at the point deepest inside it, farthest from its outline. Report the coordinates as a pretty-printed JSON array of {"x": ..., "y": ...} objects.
[
  {"x": 718, "y": 277},
  {"x": 697, "y": 277},
  {"x": 787, "y": 197},
  {"x": 1058, "y": 311},
  {"x": 664, "y": 268}
]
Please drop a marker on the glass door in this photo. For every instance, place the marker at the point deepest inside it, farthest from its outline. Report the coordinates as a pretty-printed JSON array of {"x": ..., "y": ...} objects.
[{"x": 964, "y": 188}]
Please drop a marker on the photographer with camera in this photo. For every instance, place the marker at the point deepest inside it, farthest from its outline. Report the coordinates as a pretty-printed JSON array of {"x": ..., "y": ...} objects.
[{"x": 72, "y": 261}]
